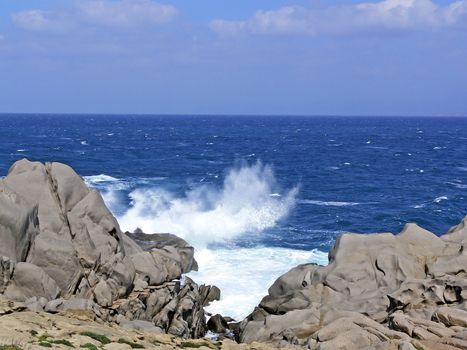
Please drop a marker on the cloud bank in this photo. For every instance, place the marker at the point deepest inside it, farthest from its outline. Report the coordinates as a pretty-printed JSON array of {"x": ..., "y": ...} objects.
[
  {"x": 39, "y": 20},
  {"x": 122, "y": 13},
  {"x": 338, "y": 19},
  {"x": 127, "y": 13}
]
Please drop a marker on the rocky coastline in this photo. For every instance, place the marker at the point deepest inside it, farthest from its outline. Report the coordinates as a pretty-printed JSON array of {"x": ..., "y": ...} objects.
[
  {"x": 67, "y": 270},
  {"x": 379, "y": 291}
]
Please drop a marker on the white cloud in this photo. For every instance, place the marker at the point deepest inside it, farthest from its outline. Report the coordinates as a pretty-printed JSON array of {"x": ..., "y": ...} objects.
[
  {"x": 121, "y": 13},
  {"x": 386, "y": 14},
  {"x": 127, "y": 12},
  {"x": 38, "y": 20},
  {"x": 290, "y": 19}
]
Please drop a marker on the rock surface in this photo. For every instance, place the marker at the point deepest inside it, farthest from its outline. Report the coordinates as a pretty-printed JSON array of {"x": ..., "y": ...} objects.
[
  {"x": 61, "y": 249},
  {"x": 380, "y": 291},
  {"x": 25, "y": 330}
]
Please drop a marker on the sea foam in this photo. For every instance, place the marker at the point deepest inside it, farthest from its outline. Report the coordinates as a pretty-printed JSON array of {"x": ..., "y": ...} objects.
[
  {"x": 246, "y": 203},
  {"x": 244, "y": 274}
]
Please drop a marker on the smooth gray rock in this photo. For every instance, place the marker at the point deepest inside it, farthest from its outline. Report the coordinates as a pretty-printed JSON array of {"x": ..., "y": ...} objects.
[
  {"x": 139, "y": 325},
  {"x": 217, "y": 324},
  {"x": 18, "y": 224},
  {"x": 76, "y": 231},
  {"x": 62, "y": 249},
  {"x": 451, "y": 316},
  {"x": 398, "y": 282},
  {"x": 31, "y": 281}
]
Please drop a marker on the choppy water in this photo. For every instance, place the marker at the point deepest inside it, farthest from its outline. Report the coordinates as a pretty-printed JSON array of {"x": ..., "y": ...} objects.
[{"x": 257, "y": 195}]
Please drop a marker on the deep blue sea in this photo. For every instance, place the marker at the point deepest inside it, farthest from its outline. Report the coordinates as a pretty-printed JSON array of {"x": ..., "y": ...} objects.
[{"x": 257, "y": 195}]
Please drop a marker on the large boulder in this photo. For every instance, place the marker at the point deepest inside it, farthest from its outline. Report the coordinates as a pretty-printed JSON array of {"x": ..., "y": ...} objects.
[
  {"x": 77, "y": 234},
  {"x": 407, "y": 286},
  {"x": 59, "y": 242}
]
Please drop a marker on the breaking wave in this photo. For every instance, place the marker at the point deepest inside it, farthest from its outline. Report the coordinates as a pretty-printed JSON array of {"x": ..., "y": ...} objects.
[{"x": 249, "y": 200}]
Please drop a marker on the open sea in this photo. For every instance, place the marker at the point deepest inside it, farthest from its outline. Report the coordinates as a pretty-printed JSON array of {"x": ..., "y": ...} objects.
[{"x": 256, "y": 195}]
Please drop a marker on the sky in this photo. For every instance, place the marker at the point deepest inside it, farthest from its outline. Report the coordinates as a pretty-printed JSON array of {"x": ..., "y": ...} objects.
[{"x": 280, "y": 57}]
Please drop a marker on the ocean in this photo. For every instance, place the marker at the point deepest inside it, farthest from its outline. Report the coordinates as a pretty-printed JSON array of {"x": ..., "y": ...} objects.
[{"x": 256, "y": 195}]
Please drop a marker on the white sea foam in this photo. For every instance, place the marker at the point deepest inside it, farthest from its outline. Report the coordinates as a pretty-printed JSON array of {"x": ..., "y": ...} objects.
[
  {"x": 440, "y": 199},
  {"x": 84, "y": 143},
  {"x": 244, "y": 275},
  {"x": 109, "y": 187},
  {"x": 95, "y": 179},
  {"x": 458, "y": 185},
  {"x": 207, "y": 214},
  {"x": 21, "y": 150},
  {"x": 328, "y": 203}
]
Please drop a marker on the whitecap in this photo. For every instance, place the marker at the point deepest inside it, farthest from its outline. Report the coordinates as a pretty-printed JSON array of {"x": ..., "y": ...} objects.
[
  {"x": 146, "y": 180},
  {"x": 327, "y": 203},
  {"x": 92, "y": 179},
  {"x": 21, "y": 150},
  {"x": 440, "y": 199},
  {"x": 84, "y": 143},
  {"x": 458, "y": 185},
  {"x": 377, "y": 147}
]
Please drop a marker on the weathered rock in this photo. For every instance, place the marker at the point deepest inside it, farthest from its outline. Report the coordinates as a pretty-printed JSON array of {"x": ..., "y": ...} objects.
[
  {"x": 451, "y": 316},
  {"x": 160, "y": 241},
  {"x": 29, "y": 280},
  {"x": 140, "y": 325},
  {"x": 26, "y": 330},
  {"x": 217, "y": 324},
  {"x": 62, "y": 251},
  {"x": 402, "y": 284},
  {"x": 18, "y": 224}
]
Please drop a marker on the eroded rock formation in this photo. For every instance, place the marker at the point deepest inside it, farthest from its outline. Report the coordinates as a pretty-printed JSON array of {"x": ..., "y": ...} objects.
[
  {"x": 62, "y": 249},
  {"x": 379, "y": 291}
]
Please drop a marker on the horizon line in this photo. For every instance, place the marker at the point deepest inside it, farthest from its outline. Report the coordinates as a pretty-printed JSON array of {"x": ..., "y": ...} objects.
[{"x": 235, "y": 115}]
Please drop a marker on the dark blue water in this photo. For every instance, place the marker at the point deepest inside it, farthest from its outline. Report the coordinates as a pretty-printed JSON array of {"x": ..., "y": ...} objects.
[{"x": 353, "y": 174}]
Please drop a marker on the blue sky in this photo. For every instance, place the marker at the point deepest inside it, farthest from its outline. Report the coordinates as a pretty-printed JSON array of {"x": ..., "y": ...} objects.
[{"x": 347, "y": 57}]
